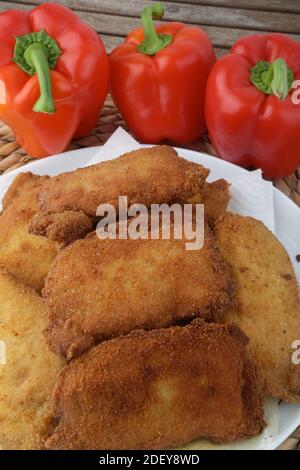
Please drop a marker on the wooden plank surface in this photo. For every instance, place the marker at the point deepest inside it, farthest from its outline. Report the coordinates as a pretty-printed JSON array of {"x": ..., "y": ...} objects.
[
  {"x": 267, "y": 5},
  {"x": 259, "y": 20},
  {"x": 111, "y": 20},
  {"x": 114, "y": 25}
]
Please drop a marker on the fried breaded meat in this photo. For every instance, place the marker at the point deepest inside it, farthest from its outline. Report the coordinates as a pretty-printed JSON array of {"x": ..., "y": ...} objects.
[
  {"x": 268, "y": 298},
  {"x": 30, "y": 371},
  {"x": 215, "y": 197},
  {"x": 99, "y": 289},
  {"x": 158, "y": 389},
  {"x": 27, "y": 257},
  {"x": 146, "y": 176}
]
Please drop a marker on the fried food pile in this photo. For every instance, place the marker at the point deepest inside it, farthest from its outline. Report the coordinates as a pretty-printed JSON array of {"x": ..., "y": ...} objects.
[{"x": 148, "y": 345}]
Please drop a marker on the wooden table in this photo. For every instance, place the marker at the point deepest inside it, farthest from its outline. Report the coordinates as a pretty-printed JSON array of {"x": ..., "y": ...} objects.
[{"x": 225, "y": 21}]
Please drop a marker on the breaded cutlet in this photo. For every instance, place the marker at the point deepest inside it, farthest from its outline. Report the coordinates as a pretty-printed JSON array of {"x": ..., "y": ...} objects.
[
  {"x": 147, "y": 176},
  {"x": 158, "y": 389},
  {"x": 31, "y": 369},
  {"x": 100, "y": 289},
  {"x": 268, "y": 300}
]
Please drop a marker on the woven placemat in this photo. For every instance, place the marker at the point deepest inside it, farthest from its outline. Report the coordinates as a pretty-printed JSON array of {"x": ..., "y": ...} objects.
[{"x": 13, "y": 156}]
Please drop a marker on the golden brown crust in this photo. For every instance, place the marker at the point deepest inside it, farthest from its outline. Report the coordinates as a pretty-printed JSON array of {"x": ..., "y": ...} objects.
[
  {"x": 158, "y": 389},
  {"x": 27, "y": 257},
  {"x": 27, "y": 378},
  {"x": 98, "y": 289},
  {"x": 146, "y": 176},
  {"x": 62, "y": 227},
  {"x": 268, "y": 298},
  {"x": 23, "y": 187},
  {"x": 215, "y": 197}
]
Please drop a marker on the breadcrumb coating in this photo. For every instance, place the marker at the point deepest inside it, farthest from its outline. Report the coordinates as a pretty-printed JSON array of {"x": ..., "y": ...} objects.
[
  {"x": 158, "y": 389},
  {"x": 99, "y": 289},
  {"x": 147, "y": 176},
  {"x": 28, "y": 257},
  {"x": 268, "y": 300},
  {"x": 29, "y": 374}
]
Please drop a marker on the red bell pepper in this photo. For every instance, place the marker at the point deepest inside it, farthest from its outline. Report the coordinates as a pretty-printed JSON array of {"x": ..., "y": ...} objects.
[
  {"x": 251, "y": 117},
  {"x": 54, "y": 76},
  {"x": 158, "y": 79}
]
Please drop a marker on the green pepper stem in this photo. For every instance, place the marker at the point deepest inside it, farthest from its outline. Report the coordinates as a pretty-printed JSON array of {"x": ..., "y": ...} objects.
[
  {"x": 272, "y": 78},
  {"x": 153, "y": 42},
  {"x": 36, "y": 55},
  {"x": 279, "y": 83},
  {"x": 38, "y": 52}
]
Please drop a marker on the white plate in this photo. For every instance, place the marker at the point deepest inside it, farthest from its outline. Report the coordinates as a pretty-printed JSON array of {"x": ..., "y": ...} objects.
[{"x": 287, "y": 229}]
